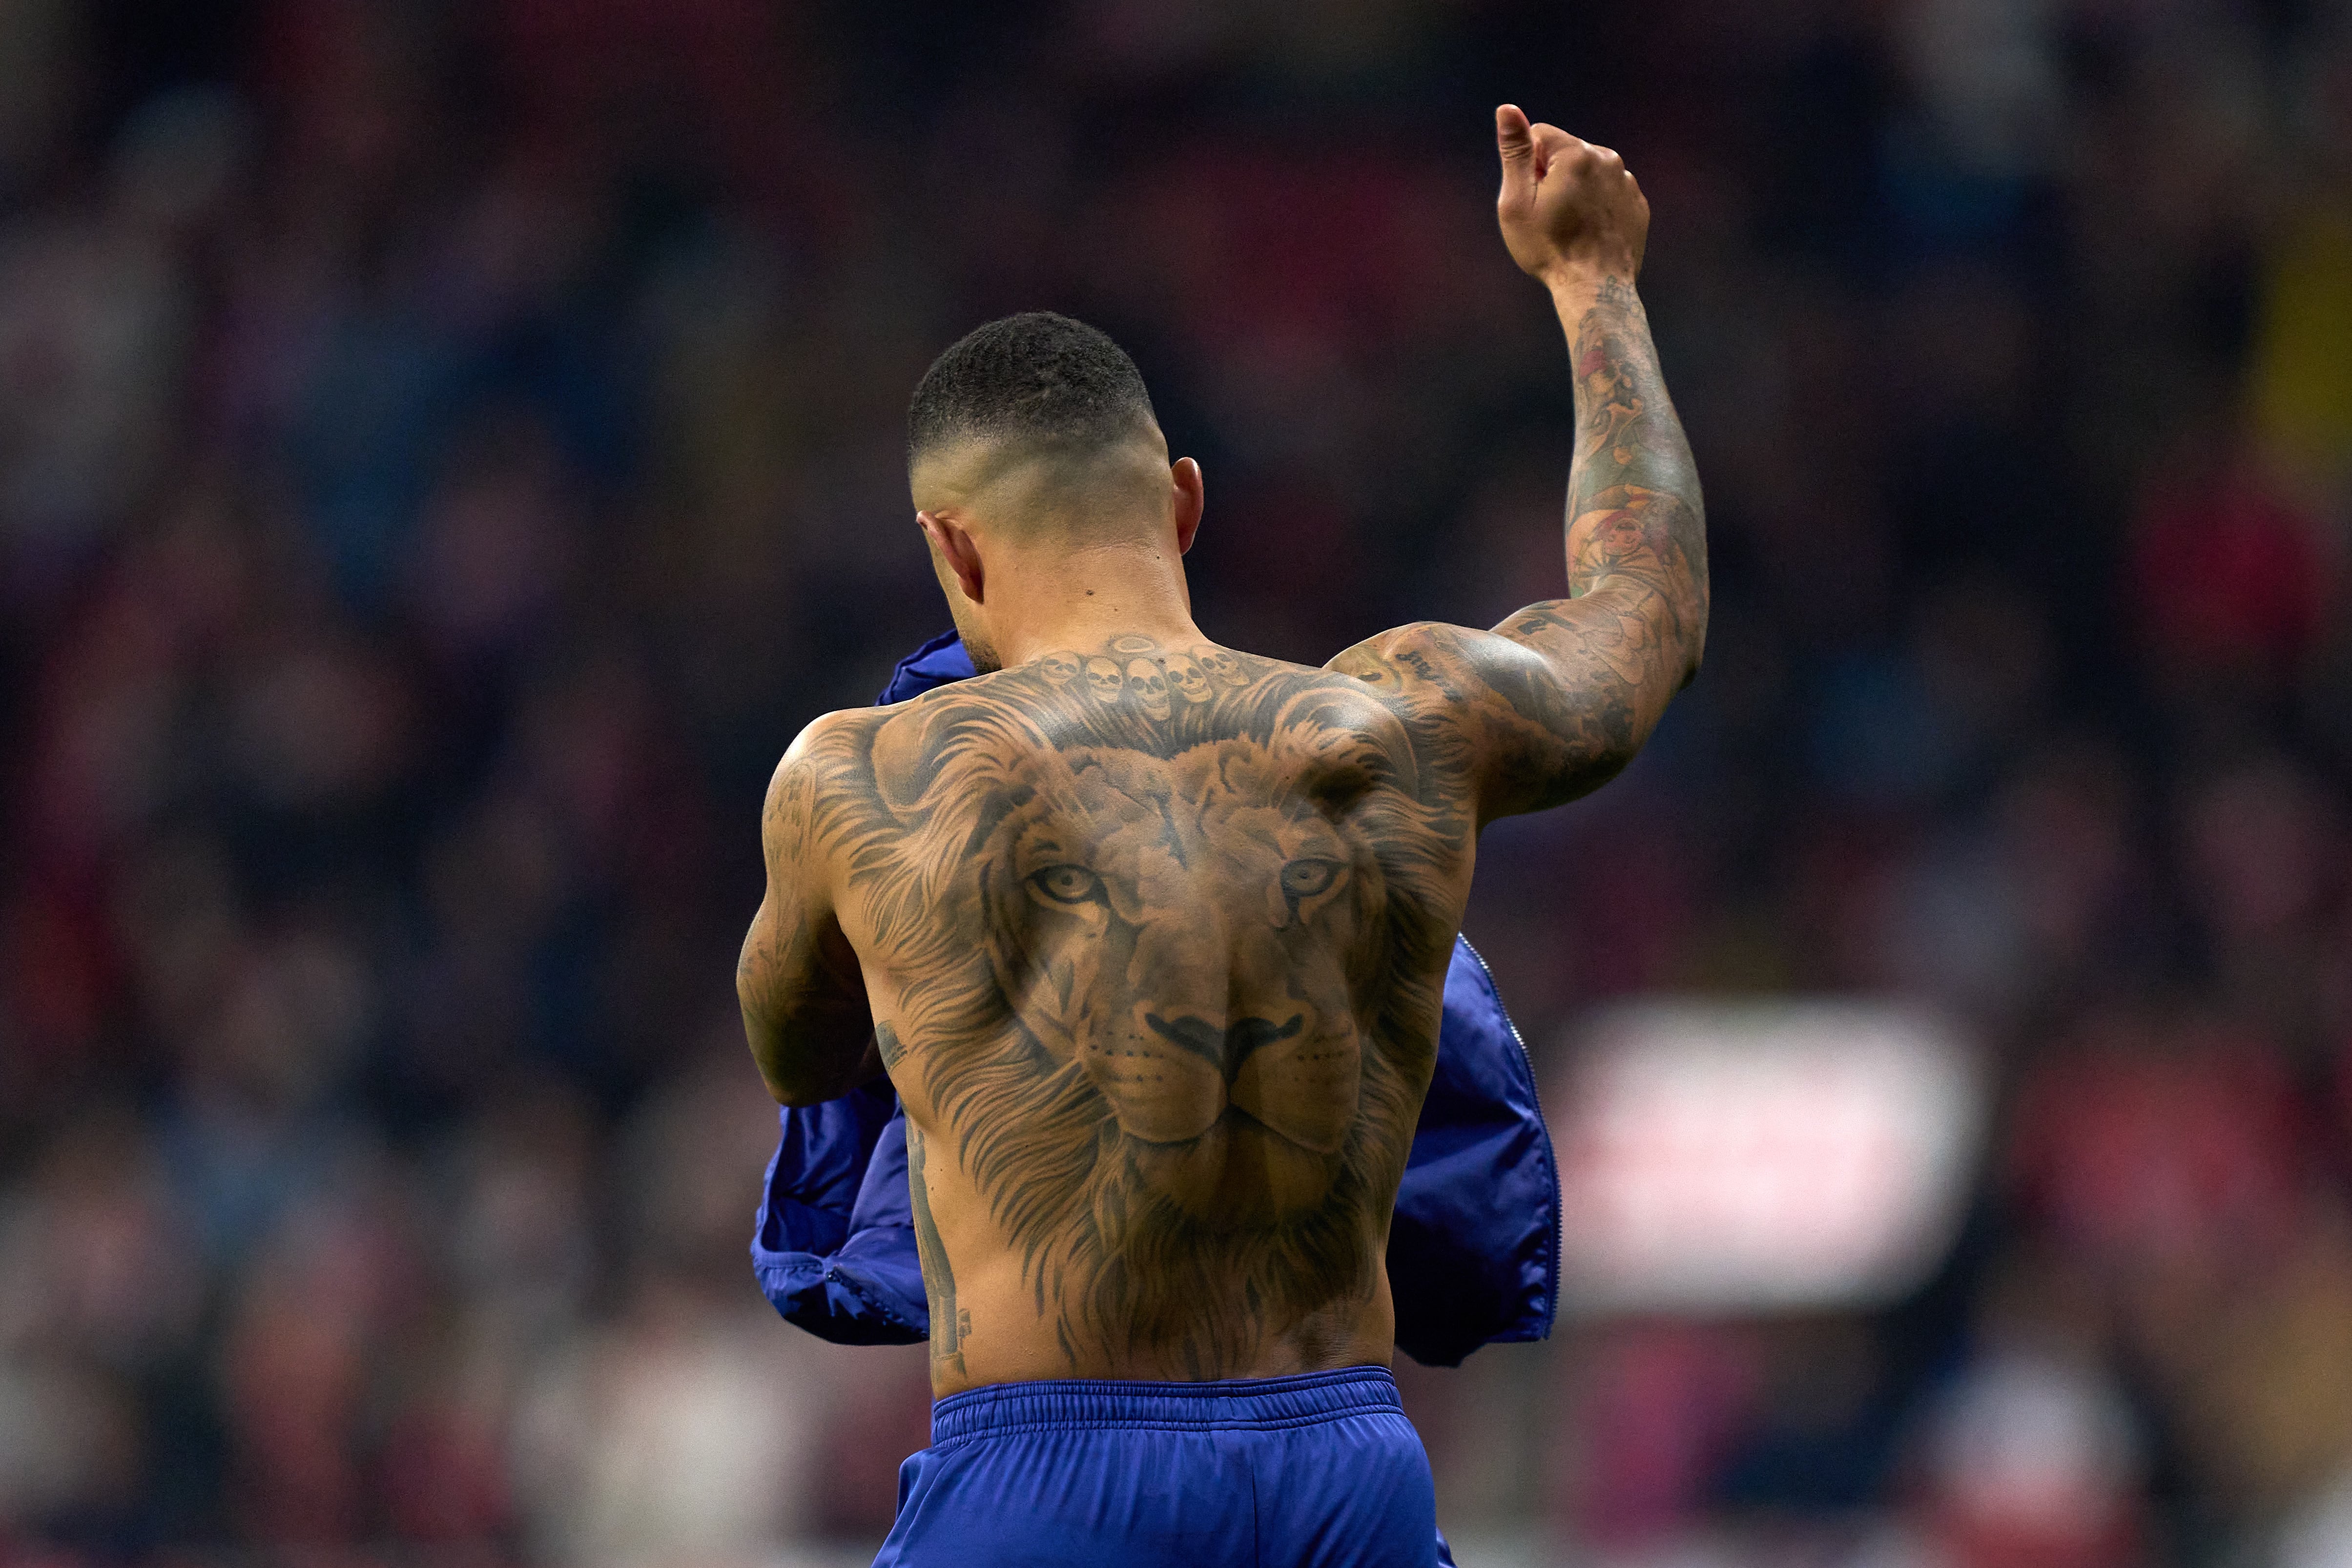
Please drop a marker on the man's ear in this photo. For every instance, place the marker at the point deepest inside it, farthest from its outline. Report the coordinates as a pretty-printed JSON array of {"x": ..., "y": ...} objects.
[
  {"x": 953, "y": 545},
  {"x": 1184, "y": 478}
]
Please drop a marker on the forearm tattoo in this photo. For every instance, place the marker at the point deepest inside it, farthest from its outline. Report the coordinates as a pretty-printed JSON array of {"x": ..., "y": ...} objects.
[{"x": 1634, "y": 514}]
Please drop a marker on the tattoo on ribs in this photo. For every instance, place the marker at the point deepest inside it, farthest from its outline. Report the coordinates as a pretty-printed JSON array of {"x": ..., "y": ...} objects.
[
  {"x": 949, "y": 1327},
  {"x": 1169, "y": 933}
]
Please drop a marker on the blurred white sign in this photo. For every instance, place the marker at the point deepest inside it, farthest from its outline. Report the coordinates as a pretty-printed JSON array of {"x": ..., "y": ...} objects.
[{"x": 1758, "y": 1155}]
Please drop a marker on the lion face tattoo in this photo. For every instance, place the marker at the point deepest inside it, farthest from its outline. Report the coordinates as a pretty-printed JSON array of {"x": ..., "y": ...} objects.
[{"x": 1218, "y": 1032}]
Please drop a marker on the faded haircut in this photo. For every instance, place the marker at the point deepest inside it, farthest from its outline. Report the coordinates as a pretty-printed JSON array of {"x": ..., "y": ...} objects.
[{"x": 1037, "y": 378}]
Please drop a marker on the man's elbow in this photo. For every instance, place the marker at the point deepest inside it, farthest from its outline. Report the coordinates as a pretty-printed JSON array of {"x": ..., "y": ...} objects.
[
  {"x": 1691, "y": 662},
  {"x": 799, "y": 1077},
  {"x": 798, "y": 1090},
  {"x": 768, "y": 1054},
  {"x": 1694, "y": 634},
  {"x": 800, "y": 1096}
]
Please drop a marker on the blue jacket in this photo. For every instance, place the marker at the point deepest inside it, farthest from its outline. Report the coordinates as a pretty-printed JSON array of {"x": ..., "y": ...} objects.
[{"x": 1474, "y": 1250}]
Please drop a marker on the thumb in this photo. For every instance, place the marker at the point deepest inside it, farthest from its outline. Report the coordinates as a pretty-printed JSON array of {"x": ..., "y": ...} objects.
[{"x": 1518, "y": 146}]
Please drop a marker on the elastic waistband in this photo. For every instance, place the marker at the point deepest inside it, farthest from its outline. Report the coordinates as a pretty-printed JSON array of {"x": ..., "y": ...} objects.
[{"x": 1254, "y": 1402}]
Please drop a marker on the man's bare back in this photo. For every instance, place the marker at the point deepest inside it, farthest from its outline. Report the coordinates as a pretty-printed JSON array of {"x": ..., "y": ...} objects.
[
  {"x": 1149, "y": 935},
  {"x": 1154, "y": 941}
]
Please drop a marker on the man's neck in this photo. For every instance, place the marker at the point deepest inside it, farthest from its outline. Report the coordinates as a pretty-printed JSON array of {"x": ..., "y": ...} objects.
[{"x": 1098, "y": 595}]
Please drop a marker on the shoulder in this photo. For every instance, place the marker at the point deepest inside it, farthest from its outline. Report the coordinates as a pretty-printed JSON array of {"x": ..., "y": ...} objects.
[
  {"x": 831, "y": 749},
  {"x": 810, "y": 762},
  {"x": 858, "y": 749},
  {"x": 826, "y": 743},
  {"x": 1428, "y": 659}
]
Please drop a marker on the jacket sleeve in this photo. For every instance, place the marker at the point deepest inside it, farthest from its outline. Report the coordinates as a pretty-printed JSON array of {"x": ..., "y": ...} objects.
[
  {"x": 829, "y": 1243},
  {"x": 1474, "y": 1250}
]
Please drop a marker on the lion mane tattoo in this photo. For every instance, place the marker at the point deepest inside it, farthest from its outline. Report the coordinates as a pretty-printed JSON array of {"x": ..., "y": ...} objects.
[{"x": 1172, "y": 922}]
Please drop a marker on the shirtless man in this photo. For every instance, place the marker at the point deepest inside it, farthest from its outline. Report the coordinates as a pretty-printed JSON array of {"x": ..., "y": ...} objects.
[{"x": 1150, "y": 935}]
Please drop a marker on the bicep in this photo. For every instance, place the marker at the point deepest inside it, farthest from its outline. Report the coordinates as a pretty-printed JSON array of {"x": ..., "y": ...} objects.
[
  {"x": 797, "y": 979},
  {"x": 1545, "y": 706},
  {"x": 778, "y": 951},
  {"x": 782, "y": 969}
]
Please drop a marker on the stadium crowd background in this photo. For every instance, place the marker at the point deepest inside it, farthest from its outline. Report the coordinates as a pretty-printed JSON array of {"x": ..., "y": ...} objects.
[{"x": 446, "y": 451}]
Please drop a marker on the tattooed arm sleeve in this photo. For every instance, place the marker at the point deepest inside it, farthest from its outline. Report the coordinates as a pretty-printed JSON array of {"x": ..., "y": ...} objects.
[
  {"x": 1552, "y": 702},
  {"x": 803, "y": 998}
]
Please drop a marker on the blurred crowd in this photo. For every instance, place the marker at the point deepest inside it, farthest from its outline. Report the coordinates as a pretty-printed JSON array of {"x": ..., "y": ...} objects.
[{"x": 446, "y": 451}]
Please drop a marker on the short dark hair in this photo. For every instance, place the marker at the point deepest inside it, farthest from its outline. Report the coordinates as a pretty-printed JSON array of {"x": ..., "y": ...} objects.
[{"x": 1037, "y": 376}]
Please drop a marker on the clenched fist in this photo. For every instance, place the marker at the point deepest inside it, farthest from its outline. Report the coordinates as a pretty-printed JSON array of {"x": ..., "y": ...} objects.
[{"x": 1570, "y": 210}]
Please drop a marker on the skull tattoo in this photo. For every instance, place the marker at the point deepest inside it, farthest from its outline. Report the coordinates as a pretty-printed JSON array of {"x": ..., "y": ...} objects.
[
  {"x": 1223, "y": 665},
  {"x": 1104, "y": 679},
  {"x": 1192, "y": 682},
  {"x": 1144, "y": 679}
]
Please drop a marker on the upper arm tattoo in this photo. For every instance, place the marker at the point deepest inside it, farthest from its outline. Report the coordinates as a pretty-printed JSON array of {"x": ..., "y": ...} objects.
[{"x": 802, "y": 996}]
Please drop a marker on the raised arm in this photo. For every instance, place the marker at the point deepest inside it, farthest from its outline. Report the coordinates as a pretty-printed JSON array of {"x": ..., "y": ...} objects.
[
  {"x": 803, "y": 995},
  {"x": 1553, "y": 702}
]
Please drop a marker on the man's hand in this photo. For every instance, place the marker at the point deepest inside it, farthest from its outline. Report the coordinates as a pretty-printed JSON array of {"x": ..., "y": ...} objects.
[{"x": 1571, "y": 212}]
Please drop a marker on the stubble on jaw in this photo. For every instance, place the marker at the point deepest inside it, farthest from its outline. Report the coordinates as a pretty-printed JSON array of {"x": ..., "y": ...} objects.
[{"x": 985, "y": 659}]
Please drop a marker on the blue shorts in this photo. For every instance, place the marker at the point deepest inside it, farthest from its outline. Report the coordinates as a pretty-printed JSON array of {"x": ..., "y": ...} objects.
[{"x": 1280, "y": 1471}]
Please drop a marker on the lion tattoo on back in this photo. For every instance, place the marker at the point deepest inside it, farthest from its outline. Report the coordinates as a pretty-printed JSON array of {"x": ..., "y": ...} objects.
[{"x": 1170, "y": 943}]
